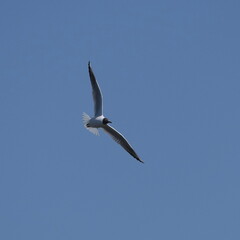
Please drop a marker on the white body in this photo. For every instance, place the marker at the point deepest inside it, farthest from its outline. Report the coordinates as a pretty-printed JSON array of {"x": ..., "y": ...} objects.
[{"x": 96, "y": 122}]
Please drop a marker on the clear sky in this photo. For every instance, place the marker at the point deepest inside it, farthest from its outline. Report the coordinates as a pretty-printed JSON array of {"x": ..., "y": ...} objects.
[{"x": 169, "y": 72}]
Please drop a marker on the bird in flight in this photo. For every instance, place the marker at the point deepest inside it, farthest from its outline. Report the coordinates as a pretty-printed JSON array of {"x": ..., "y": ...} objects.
[{"x": 99, "y": 121}]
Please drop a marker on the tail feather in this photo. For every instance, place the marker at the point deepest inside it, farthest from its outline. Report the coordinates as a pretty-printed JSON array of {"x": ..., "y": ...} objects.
[{"x": 86, "y": 120}]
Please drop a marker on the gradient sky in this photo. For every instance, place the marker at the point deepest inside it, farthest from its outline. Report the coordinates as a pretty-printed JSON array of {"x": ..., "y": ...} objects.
[{"x": 169, "y": 73}]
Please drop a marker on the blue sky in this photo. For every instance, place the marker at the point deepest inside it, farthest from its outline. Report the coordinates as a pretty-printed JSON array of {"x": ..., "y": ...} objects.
[{"x": 169, "y": 73}]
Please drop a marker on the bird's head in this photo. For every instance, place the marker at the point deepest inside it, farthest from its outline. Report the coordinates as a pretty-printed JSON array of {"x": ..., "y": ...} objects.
[{"x": 106, "y": 121}]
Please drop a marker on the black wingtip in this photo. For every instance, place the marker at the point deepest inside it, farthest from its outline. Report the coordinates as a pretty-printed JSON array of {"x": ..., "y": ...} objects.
[
  {"x": 89, "y": 64},
  {"x": 140, "y": 160}
]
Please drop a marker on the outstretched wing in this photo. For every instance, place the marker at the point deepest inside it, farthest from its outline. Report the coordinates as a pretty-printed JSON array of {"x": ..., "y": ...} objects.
[
  {"x": 119, "y": 138},
  {"x": 96, "y": 92}
]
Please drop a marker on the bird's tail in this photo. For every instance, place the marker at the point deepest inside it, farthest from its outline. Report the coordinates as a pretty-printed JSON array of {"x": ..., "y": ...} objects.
[{"x": 86, "y": 120}]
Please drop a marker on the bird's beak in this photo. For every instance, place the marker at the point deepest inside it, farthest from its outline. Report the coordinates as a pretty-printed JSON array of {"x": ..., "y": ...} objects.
[{"x": 109, "y": 121}]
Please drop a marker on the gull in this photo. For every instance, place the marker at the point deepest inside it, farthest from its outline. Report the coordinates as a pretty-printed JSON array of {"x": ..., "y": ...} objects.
[{"x": 99, "y": 121}]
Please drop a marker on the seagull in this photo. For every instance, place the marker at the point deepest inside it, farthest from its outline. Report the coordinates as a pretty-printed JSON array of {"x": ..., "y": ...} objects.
[{"x": 99, "y": 121}]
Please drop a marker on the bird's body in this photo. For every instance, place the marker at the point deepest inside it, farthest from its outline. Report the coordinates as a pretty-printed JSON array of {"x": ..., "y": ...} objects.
[
  {"x": 99, "y": 121},
  {"x": 96, "y": 122}
]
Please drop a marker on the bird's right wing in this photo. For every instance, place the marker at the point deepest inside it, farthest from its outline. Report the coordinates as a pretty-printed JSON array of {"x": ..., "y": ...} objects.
[
  {"x": 119, "y": 138},
  {"x": 96, "y": 92}
]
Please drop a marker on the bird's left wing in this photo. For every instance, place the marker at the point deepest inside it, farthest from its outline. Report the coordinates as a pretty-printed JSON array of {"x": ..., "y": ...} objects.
[
  {"x": 119, "y": 138},
  {"x": 96, "y": 92}
]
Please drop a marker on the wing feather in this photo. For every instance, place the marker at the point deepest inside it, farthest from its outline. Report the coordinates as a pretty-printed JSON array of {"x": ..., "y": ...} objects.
[
  {"x": 96, "y": 92},
  {"x": 120, "y": 139}
]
